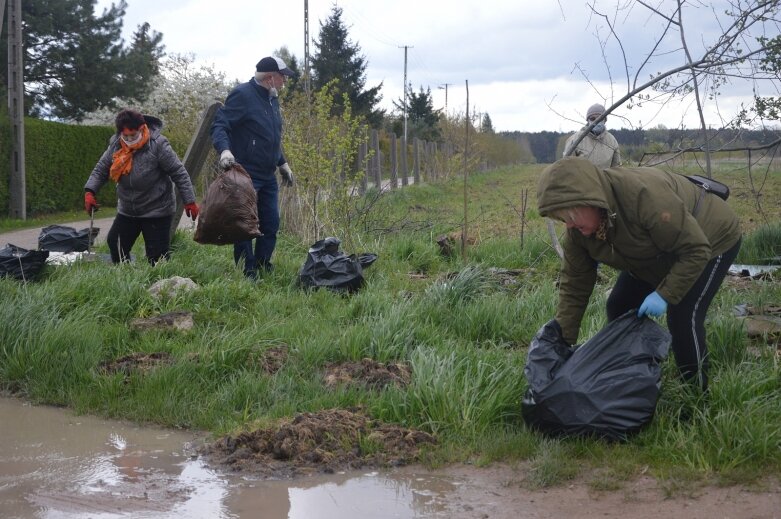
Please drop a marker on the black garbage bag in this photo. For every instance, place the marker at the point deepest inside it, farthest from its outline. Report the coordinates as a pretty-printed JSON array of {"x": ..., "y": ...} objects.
[
  {"x": 59, "y": 238},
  {"x": 608, "y": 387},
  {"x": 20, "y": 263},
  {"x": 327, "y": 266}
]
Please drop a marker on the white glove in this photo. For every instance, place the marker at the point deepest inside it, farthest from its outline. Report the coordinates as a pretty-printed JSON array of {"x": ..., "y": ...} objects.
[
  {"x": 287, "y": 175},
  {"x": 227, "y": 160}
]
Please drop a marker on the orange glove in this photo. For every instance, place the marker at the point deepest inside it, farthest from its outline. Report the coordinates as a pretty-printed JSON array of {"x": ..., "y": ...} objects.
[
  {"x": 90, "y": 203},
  {"x": 191, "y": 210}
]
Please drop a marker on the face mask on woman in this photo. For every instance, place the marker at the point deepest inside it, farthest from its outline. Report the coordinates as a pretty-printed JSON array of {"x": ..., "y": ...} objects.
[{"x": 131, "y": 140}]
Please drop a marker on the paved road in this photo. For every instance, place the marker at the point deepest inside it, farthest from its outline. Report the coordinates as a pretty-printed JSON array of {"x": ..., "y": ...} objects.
[{"x": 28, "y": 238}]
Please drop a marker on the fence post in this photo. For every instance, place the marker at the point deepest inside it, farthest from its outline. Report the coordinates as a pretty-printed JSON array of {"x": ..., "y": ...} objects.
[
  {"x": 362, "y": 167},
  {"x": 431, "y": 157},
  {"x": 376, "y": 164},
  {"x": 404, "y": 171},
  {"x": 195, "y": 156},
  {"x": 394, "y": 177},
  {"x": 416, "y": 159}
]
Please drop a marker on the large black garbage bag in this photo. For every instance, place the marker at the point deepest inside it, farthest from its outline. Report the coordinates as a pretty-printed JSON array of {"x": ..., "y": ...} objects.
[
  {"x": 20, "y": 263},
  {"x": 327, "y": 266},
  {"x": 59, "y": 238},
  {"x": 607, "y": 387}
]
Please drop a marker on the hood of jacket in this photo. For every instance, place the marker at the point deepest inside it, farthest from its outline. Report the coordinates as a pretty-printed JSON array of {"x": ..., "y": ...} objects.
[
  {"x": 154, "y": 124},
  {"x": 572, "y": 182}
]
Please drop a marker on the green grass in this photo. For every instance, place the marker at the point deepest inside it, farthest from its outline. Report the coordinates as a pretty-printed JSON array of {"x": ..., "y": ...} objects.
[
  {"x": 463, "y": 331},
  {"x": 762, "y": 247}
]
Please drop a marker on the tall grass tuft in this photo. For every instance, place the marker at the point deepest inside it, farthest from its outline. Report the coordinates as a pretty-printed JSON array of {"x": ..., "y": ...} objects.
[
  {"x": 762, "y": 246},
  {"x": 466, "y": 390}
]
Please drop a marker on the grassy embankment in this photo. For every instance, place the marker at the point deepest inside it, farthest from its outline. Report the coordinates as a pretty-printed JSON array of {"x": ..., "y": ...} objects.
[{"x": 465, "y": 338}]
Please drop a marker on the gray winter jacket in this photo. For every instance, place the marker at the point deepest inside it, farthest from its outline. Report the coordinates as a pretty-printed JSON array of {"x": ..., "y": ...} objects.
[{"x": 147, "y": 191}]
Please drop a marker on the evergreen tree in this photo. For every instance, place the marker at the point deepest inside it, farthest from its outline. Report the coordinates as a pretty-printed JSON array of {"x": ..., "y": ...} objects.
[
  {"x": 292, "y": 84},
  {"x": 75, "y": 61},
  {"x": 336, "y": 57},
  {"x": 422, "y": 118},
  {"x": 486, "y": 126}
]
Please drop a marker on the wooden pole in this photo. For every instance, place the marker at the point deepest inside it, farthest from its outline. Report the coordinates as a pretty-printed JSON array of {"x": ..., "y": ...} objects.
[
  {"x": 195, "y": 156},
  {"x": 376, "y": 159},
  {"x": 394, "y": 176},
  {"x": 363, "y": 167},
  {"x": 466, "y": 176},
  {"x": 17, "y": 204},
  {"x": 404, "y": 171},
  {"x": 416, "y": 159}
]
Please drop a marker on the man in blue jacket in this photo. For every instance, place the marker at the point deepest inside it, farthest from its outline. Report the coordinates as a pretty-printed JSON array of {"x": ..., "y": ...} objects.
[{"x": 248, "y": 130}]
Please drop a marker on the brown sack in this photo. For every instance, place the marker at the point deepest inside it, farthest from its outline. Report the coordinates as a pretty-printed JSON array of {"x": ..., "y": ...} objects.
[{"x": 229, "y": 212}]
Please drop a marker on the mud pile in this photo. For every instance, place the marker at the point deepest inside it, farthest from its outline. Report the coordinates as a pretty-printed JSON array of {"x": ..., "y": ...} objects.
[
  {"x": 368, "y": 373},
  {"x": 326, "y": 441}
]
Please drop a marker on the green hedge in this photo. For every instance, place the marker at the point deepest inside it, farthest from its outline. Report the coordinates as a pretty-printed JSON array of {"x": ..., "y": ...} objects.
[{"x": 59, "y": 158}]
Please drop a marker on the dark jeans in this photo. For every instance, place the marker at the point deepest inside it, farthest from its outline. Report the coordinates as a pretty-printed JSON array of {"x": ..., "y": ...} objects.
[
  {"x": 124, "y": 233},
  {"x": 268, "y": 214},
  {"x": 686, "y": 320}
]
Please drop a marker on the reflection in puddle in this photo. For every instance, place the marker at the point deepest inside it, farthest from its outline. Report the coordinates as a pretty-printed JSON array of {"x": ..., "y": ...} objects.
[
  {"x": 372, "y": 495},
  {"x": 57, "y": 465}
]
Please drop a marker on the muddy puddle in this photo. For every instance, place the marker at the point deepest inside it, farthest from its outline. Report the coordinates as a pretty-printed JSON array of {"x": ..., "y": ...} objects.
[{"x": 57, "y": 465}]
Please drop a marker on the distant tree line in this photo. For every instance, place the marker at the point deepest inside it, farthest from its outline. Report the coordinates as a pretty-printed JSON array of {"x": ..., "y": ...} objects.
[{"x": 547, "y": 147}]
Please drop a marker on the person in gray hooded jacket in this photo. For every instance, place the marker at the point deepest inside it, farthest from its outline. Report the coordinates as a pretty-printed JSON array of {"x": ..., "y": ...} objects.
[
  {"x": 598, "y": 145},
  {"x": 140, "y": 160}
]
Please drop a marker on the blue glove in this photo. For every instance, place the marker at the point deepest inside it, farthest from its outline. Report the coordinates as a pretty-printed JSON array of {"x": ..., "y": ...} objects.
[{"x": 653, "y": 306}]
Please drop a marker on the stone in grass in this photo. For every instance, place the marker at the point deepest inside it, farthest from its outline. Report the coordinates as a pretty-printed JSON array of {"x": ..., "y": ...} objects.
[
  {"x": 173, "y": 286},
  {"x": 168, "y": 321}
]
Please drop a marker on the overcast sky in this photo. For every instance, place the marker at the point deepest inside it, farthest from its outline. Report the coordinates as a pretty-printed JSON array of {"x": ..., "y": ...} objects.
[{"x": 525, "y": 61}]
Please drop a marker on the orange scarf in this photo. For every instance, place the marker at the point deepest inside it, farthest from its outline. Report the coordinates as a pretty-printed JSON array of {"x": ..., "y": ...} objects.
[{"x": 123, "y": 157}]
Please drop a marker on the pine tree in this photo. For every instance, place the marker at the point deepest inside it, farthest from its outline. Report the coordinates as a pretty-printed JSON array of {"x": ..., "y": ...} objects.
[
  {"x": 486, "y": 126},
  {"x": 422, "y": 118},
  {"x": 337, "y": 58},
  {"x": 75, "y": 61},
  {"x": 292, "y": 84}
]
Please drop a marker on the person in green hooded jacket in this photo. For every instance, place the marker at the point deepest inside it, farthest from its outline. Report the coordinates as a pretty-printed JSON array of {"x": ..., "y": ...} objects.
[{"x": 641, "y": 221}]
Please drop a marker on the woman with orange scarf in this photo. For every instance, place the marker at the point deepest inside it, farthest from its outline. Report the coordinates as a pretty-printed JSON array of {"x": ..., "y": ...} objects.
[{"x": 140, "y": 160}]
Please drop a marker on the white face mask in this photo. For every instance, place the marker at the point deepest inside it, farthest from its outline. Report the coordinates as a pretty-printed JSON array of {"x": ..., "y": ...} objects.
[{"x": 131, "y": 140}]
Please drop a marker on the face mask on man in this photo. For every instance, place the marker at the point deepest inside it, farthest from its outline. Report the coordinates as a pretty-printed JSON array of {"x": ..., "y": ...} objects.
[{"x": 598, "y": 129}]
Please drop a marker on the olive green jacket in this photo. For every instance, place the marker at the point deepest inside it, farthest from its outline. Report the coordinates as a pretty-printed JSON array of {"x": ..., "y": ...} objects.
[{"x": 651, "y": 232}]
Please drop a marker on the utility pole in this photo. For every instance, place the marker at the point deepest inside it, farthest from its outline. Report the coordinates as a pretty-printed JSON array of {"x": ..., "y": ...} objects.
[
  {"x": 465, "y": 233},
  {"x": 306, "y": 47},
  {"x": 405, "y": 47},
  {"x": 17, "y": 204},
  {"x": 444, "y": 87}
]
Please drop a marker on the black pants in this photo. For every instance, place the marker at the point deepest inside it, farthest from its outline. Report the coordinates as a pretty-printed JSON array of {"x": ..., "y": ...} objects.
[
  {"x": 124, "y": 233},
  {"x": 686, "y": 320}
]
